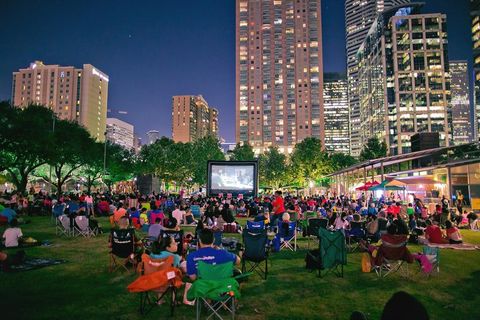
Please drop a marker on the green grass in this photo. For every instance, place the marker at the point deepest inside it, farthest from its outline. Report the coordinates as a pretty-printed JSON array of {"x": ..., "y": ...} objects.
[{"x": 83, "y": 288}]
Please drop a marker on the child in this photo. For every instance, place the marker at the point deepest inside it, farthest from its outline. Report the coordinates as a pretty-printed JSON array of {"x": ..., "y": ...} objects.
[{"x": 453, "y": 235}]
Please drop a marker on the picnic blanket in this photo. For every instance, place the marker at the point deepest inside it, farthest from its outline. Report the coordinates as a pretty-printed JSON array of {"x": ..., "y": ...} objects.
[
  {"x": 461, "y": 246},
  {"x": 34, "y": 263}
]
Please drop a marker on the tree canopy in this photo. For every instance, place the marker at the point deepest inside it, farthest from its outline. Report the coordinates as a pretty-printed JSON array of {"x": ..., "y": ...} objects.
[{"x": 373, "y": 149}]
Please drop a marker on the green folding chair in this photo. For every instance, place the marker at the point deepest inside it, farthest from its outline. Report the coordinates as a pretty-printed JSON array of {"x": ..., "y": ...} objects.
[
  {"x": 333, "y": 253},
  {"x": 216, "y": 288}
]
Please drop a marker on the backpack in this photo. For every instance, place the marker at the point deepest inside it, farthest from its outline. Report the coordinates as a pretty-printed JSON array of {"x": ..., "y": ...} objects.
[{"x": 313, "y": 261}]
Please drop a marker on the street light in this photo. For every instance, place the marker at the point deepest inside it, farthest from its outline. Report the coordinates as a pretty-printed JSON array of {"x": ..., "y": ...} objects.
[{"x": 53, "y": 133}]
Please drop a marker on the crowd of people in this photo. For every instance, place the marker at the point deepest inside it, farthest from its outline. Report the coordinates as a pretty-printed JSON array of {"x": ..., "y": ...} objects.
[{"x": 384, "y": 219}]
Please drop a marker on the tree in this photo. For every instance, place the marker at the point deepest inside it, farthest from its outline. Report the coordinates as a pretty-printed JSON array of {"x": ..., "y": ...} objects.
[
  {"x": 92, "y": 171},
  {"x": 120, "y": 164},
  {"x": 373, "y": 149},
  {"x": 272, "y": 168},
  {"x": 308, "y": 161},
  {"x": 72, "y": 149},
  {"x": 242, "y": 152},
  {"x": 25, "y": 141},
  {"x": 339, "y": 161},
  {"x": 204, "y": 149}
]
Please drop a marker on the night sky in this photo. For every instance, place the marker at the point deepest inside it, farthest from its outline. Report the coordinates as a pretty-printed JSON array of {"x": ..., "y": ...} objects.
[{"x": 153, "y": 50}]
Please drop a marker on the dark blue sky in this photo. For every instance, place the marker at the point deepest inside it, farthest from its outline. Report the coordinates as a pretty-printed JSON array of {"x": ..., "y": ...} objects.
[{"x": 153, "y": 50}]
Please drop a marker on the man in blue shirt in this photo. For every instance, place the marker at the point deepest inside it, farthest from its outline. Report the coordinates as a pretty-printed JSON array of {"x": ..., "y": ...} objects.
[{"x": 208, "y": 254}]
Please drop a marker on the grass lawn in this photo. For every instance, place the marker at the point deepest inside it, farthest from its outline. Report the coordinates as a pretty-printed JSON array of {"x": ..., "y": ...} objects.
[{"x": 84, "y": 289}]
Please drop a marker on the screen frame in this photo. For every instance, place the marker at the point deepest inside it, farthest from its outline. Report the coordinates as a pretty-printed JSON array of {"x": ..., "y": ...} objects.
[{"x": 235, "y": 193}]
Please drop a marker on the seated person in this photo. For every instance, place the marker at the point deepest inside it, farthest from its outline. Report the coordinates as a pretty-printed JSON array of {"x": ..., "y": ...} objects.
[
  {"x": 473, "y": 220},
  {"x": 144, "y": 219},
  {"x": 166, "y": 247},
  {"x": 208, "y": 254},
  {"x": 178, "y": 214},
  {"x": 123, "y": 224},
  {"x": 171, "y": 225},
  {"x": 188, "y": 217},
  {"x": 392, "y": 246},
  {"x": 433, "y": 233},
  {"x": 155, "y": 229},
  {"x": 453, "y": 235},
  {"x": 13, "y": 235}
]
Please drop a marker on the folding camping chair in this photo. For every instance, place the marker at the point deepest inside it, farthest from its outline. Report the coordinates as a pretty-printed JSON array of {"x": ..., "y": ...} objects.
[
  {"x": 306, "y": 216},
  {"x": 313, "y": 225},
  {"x": 82, "y": 227},
  {"x": 287, "y": 235},
  {"x": 215, "y": 288},
  {"x": 255, "y": 251},
  {"x": 333, "y": 254},
  {"x": 391, "y": 258},
  {"x": 123, "y": 249},
  {"x": 62, "y": 226},
  {"x": 149, "y": 298},
  {"x": 255, "y": 226},
  {"x": 354, "y": 235}
]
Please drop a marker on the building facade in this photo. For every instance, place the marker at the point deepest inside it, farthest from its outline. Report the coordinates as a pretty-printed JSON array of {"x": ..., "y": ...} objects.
[
  {"x": 73, "y": 94},
  {"x": 279, "y": 73},
  {"x": 359, "y": 17},
  {"x": 121, "y": 133},
  {"x": 192, "y": 118},
  {"x": 460, "y": 103},
  {"x": 337, "y": 119},
  {"x": 475, "y": 16},
  {"x": 152, "y": 136},
  {"x": 404, "y": 85}
]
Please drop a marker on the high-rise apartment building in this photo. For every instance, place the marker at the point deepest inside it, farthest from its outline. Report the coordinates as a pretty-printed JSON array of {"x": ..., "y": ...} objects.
[
  {"x": 359, "y": 17},
  {"x": 73, "y": 94},
  {"x": 460, "y": 102},
  {"x": 152, "y": 136},
  {"x": 192, "y": 118},
  {"x": 404, "y": 85},
  {"x": 279, "y": 73},
  {"x": 475, "y": 16},
  {"x": 121, "y": 133},
  {"x": 336, "y": 111}
]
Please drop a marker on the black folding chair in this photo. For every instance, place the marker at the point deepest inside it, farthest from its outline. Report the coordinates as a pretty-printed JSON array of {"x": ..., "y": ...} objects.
[
  {"x": 123, "y": 249},
  {"x": 256, "y": 251},
  {"x": 313, "y": 225}
]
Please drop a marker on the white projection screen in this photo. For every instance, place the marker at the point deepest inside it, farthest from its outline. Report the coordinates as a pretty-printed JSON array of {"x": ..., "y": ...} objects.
[{"x": 235, "y": 177}]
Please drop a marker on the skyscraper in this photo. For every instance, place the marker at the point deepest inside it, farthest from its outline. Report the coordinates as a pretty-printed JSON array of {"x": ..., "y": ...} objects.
[
  {"x": 152, "y": 136},
  {"x": 279, "y": 73},
  {"x": 460, "y": 102},
  {"x": 336, "y": 112},
  {"x": 120, "y": 132},
  {"x": 359, "y": 17},
  {"x": 192, "y": 118},
  {"x": 475, "y": 15},
  {"x": 404, "y": 85},
  {"x": 73, "y": 94}
]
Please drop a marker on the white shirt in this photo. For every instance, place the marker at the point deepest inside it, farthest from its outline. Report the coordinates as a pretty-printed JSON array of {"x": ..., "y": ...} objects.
[
  {"x": 178, "y": 214},
  {"x": 11, "y": 236}
]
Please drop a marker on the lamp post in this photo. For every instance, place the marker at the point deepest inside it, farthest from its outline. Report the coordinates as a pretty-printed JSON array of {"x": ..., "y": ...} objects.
[
  {"x": 105, "y": 157},
  {"x": 53, "y": 133}
]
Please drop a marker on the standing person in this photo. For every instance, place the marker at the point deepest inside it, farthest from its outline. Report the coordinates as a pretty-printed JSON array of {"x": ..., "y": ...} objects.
[
  {"x": 444, "y": 215},
  {"x": 89, "y": 202},
  {"x": 460, "y": 202},
  {"x": 278, "y": 208}
]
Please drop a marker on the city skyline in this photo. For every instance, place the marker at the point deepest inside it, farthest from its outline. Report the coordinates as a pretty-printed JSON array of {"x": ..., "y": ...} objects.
[{"x": 146, "y": 79}]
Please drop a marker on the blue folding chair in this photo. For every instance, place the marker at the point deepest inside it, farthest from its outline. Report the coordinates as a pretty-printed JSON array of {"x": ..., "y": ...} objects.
[
  {"x": 255, "y": 226},
  {"x": 286, "y": 235}
]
